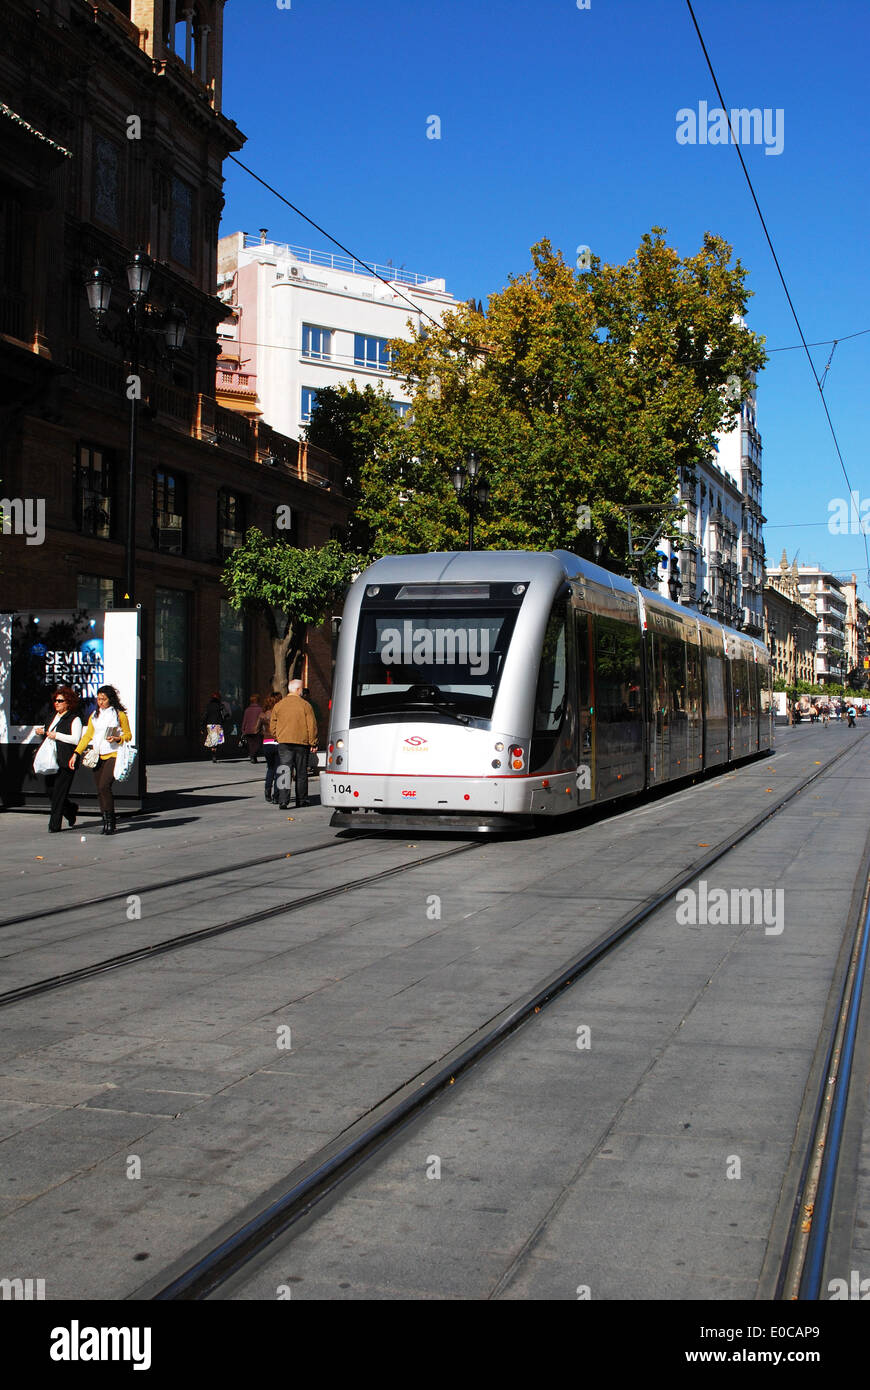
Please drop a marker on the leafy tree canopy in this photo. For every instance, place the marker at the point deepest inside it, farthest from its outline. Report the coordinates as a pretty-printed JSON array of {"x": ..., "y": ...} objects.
[
  {"x": 292, "y": 589},
  {"x": 572, "y": 388}
]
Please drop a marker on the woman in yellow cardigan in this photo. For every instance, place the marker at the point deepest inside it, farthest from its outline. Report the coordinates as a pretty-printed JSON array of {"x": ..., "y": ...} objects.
[{"x": 106, "y": 729}]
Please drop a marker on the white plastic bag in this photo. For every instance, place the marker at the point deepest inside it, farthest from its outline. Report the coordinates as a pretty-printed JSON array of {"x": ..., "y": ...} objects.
[
  {"x": 124, "y": 761},
  {"x": 45, "y": 762}
]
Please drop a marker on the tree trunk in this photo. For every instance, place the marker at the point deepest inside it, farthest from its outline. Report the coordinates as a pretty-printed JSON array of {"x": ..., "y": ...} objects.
[{"x": 280, "y": 648}]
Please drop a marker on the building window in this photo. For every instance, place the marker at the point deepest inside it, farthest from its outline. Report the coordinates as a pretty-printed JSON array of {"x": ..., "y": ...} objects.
[
  {"x": 181, "y": 222},
  {"x": 401, "y": 408},
  {"x": 231, "y": 662},
  {"x": 309, "y": 401},
  {"x": 171, "y": 646},
  {"x": 107, "y": 181},
  {"x": 371, "y": 352},
  {"x": 94, "y": 492},
  {"x": 316, "y": 342},
  {"x": 95, "y": 593},
  {"x": 169, "y": 512},
  {"x": 231, "y": 522}
]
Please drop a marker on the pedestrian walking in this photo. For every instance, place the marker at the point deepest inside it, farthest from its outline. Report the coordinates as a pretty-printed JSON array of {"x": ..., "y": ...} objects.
[
  {"x": 64, "y": 729},
  {"x": 212, "y": 724},
  {"x": 826, "y": 715},
  {"x": 850, "y": 715},
  {"x": 107, "y": 729},
  {"x": 251, "y": 727},
  {"x": 295, "y": 728},
  {"x": 270, "y": 746}
]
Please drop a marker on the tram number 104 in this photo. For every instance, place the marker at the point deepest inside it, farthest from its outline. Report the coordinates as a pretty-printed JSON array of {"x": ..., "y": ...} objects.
[{"x": 343, "y": 787}]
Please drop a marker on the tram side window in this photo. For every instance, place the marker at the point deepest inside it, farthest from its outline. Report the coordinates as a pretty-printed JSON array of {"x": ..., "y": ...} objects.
[
  {"x": 713, "y": 670},
  {"x": 693, "y": 681},
  {"x": 617, "y": 671},
  {"x": 739, "y": 677},
  {"x": 552, "y": 676},
  {"x": 675, "y": 657}
]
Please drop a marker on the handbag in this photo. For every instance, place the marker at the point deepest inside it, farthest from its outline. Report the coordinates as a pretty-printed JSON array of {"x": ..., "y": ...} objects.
[
  {"x": 124, "y": 760},
  {"x": 45, "y": 761},
  {"x": 90, "y": 757},
  {"x": 215, "y": 736}
]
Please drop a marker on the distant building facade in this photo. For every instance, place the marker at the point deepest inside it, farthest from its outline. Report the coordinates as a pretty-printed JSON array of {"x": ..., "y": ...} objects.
[
  {"x": 857, "y": 648},
  {"x": 301, "y": 320},
  {"x": 789, "y": 626},
  {"x": 721, "y": 561},
  {"x": 822, "y": 587},
  {"x": 112, "y": 139}
]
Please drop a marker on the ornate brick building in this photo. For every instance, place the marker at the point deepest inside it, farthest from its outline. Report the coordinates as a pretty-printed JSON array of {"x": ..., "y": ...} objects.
[
  {"x": 112, "y": 140},
  {"x": 790, "y": 625}
]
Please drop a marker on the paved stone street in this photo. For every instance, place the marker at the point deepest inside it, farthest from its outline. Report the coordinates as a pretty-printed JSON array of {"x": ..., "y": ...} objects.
[{"x": 144, "y": 1107}]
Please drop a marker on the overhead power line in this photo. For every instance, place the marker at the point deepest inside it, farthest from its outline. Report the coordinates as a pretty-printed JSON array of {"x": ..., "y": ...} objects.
[{"x": 724, "y": 107}]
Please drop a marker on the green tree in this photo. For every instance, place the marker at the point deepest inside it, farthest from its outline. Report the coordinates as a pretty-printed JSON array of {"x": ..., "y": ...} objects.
[
  {"x": 572, "y": 388},
  {"x": 357, "y": 426},
  {"x": 291, "y": 589}
]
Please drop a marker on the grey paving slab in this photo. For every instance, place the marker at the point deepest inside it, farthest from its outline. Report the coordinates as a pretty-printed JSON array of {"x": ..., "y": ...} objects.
[
  {"x": 34, "y": 1161},
  {"x": 89, "y": 1251},
  {"x": 384, "y": 989}
]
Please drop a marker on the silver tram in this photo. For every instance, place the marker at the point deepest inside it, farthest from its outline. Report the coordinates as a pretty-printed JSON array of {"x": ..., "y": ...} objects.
[{"x": 478, "y": 690}]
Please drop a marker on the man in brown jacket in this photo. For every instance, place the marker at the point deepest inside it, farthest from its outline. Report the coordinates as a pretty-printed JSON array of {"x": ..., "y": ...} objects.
[{"x": 294, "y": 728}]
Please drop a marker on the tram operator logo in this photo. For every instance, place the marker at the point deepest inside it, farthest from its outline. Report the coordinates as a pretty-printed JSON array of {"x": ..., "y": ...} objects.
[{"x": 436, "y": 646}]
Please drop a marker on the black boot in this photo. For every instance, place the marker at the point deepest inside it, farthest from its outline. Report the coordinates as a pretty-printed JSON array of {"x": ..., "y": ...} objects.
[
  {"x": 110, "y": 822},
  {"x": 71, "y": 813},
  {"x": 105, "y": 819}
]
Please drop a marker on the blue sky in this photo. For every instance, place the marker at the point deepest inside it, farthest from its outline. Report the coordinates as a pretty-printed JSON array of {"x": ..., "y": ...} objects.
[{"x": 561, "y": 122}]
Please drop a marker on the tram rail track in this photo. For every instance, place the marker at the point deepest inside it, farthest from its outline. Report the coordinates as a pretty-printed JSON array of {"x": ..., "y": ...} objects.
[
  {"x": 177, "y": 943},
  {"x": 240, "y": 1242},
  {"x": 182, "y": 879}
]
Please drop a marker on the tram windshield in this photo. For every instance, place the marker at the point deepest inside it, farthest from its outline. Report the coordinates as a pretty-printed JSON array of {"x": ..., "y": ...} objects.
[{"x": 431, "y": 656}]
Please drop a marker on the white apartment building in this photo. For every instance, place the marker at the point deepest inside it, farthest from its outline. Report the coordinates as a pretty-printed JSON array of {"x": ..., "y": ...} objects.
[
  {"x": 831, "y": 611},
  {"x": 721, "y": 563},
  {"x": 304, "y": 319}
]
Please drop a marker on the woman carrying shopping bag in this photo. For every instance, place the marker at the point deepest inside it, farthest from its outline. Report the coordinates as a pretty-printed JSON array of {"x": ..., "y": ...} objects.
[
  {"x": 212, "y": 725},
  {"x": 65, "y": 728},
  {"x": 106, "y": 731}
]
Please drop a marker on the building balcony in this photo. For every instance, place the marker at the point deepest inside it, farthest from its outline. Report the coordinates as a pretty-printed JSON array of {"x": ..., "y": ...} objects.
[
  {"x": 237, "y": 383},
  {"x": 202, "y": 417}
]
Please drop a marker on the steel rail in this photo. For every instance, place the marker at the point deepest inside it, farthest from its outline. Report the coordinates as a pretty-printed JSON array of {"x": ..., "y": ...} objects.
[
  {"x": 177, "y": 943},
  {"x": 171, "y": 882},
  {"x": 802, "y": 1264},
  {"x": 236, "y": 1245}
]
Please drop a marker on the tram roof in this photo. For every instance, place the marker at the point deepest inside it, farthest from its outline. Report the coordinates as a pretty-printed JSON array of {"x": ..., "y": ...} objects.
[{"x": 475, "y": 566}]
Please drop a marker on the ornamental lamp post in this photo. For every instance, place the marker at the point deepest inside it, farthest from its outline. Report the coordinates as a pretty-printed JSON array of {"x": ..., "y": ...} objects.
[
  {"x": 477, "y": 490},
  {"x": 139, "y": 319}
]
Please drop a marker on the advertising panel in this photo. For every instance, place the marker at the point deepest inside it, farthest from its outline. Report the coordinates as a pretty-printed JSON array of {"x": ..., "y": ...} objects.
[{"x": 42, "y": 649}]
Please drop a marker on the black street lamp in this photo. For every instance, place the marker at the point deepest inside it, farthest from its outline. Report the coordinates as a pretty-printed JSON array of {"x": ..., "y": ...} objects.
[
  {"x": 139, "y": 319},
  {"x": 477, "y": 490},
  {"x": 675, "y": 583}
]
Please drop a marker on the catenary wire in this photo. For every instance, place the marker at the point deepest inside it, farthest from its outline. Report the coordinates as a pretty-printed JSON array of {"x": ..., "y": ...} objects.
[{"x": 800, "y": 330}]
